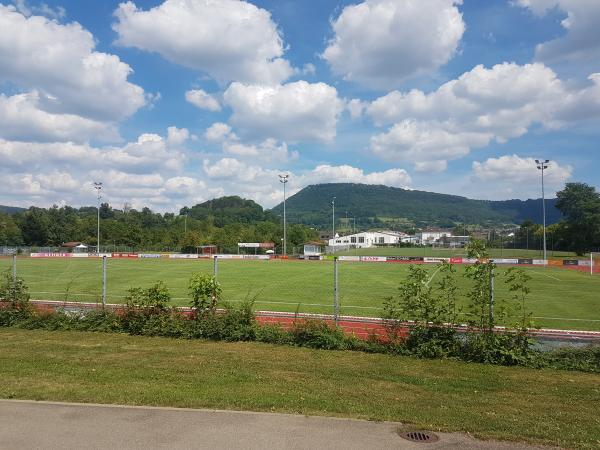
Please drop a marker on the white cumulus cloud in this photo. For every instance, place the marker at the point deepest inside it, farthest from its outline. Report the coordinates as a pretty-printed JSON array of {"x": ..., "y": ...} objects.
[
  {"x": 482, "y": 105},
  {"x": 21, "y": 118},
  {"x": 581, "y": 41},
  {"x": 226, "y": 39},
  {"x": 381, "y": 43},
  {"x": 511, "y": 176},
  {"x": 60, "y": 63},
  {"x": 202, "y": 100},
  {"x": 291, "y": 112}
]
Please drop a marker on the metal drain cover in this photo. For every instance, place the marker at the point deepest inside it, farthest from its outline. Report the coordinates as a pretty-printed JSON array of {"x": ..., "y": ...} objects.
[{"x": 419, "y": 436}]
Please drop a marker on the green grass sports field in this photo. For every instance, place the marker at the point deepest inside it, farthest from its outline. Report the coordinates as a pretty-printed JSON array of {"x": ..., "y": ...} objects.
[{"x": 559, "y": 298}]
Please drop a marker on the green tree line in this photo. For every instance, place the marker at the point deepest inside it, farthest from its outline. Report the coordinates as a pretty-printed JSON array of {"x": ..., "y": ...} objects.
[{"x": 223, "y": 222}]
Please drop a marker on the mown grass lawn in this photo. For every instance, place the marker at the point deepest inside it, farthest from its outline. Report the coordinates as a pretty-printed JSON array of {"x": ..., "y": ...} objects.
[
  {"x": 541, "y": 406},
  {"x": 559, "y": 298}
]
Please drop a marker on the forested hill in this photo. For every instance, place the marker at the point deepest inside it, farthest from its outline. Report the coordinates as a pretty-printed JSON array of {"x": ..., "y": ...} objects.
[
  {"x": 10, "y": 209},
  {"x": 226, "y": 210},
  {"x": 384, "y": 206}
]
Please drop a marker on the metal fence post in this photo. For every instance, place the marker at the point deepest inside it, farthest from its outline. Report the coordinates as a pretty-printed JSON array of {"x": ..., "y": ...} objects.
[
  {"x": 215, "y": 266},
  {"x": 14, "y": 269},
  {"x": 336, "y": 304},
  {"x": 103, "y": 281}
]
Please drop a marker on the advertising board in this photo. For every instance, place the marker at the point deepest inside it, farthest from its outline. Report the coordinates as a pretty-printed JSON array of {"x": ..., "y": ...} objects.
[
  {"x": 373, "y": 259},
  {"x": 570, "y": 262},
  {"x": 125, "y": 255},
  {"x": 428, "y": 259}
]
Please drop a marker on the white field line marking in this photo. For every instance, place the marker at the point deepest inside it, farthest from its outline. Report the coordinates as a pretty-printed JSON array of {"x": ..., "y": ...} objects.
[
  {"x": 433, "y": 275},
  {"x": 546, "y": 275}
]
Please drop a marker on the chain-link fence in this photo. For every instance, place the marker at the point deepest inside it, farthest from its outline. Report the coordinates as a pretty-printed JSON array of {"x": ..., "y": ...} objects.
[{"x": 559, "y": 298}]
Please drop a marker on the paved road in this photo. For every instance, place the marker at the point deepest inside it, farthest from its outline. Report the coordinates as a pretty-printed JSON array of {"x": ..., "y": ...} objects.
[{"x": 46, "y": 425}]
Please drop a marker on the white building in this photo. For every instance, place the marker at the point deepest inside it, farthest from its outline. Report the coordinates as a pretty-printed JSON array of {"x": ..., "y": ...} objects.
[
  {"x": 440, "y": 237},
  {"x": 428, "y": 237},
  {"x": 367, "y": 239}
]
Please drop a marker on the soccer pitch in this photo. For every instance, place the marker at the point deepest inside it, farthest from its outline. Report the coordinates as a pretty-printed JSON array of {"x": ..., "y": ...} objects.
[{"x": 559, "y": 298}]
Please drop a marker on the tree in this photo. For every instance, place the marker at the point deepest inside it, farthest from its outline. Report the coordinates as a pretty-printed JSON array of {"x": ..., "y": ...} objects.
[
  {"x": 580, "y": 205},
  {"x": 10, "y": 234}
]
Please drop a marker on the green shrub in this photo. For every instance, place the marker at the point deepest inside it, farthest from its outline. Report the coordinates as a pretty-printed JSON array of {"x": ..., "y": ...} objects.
[
  {"x": 318, "y": 334},
  {"x": 507, "y": 349},
  {"x": 205, "y": 292},
  {"x": 14, "y": 301},
  {"x": 152, "y": 299},
  {"x": 586, "y": 359},
  {"x": 432, "y": 342},
  {"x": 13, "y": 291},
  {"x": 273, "y": 334}
]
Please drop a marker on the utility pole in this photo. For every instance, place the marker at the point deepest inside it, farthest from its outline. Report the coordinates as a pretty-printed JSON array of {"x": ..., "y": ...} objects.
[
  {"x": 98, "y": 187},
  {"x": 284, "y": 179},
  {"x": 543, "y": 165}
]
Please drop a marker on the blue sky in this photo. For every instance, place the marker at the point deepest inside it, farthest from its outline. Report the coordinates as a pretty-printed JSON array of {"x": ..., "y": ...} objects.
[{"x": 174, "y": 102}]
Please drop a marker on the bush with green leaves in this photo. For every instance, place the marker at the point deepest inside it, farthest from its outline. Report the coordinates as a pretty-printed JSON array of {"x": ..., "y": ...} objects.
[
  {"x": 319, "y": 334},
  {"x": 506, "y": 349},
  {"x": 585, "y": 359},
  {"x": 518, "y": 283},
  {"x": 205, "y": 292},
  {"x": 481, "y": 274},
  {"x": 153, "y": 299},
  {"x": 432, "y": 342},
  {"x": 14, "y": 300},
  {"x": 425, "y": 306},
  {"x": 13, "y": 291}
]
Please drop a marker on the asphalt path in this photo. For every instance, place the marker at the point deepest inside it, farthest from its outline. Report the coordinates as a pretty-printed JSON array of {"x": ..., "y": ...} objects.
[{"x": 49, "y": 425}]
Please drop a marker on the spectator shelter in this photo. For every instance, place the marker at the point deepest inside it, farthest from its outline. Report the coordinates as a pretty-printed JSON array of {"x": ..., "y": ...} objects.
[
  {"x": 259, "y": 247},
  {"x": 75, "y": 247}
]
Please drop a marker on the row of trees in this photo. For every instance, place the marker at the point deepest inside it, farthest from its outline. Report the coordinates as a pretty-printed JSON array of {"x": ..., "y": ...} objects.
[
  {"x": 577, "y": 231},
  {"x": 222, "y": 222},
  {"x": 229, "y": 220}
]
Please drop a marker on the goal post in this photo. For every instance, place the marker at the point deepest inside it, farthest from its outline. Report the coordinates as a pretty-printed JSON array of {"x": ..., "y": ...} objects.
[{"x": 594, "y": 262}]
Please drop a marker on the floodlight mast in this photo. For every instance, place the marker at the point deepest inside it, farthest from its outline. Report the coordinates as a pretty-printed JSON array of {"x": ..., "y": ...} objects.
[
  {"x": 98, "y": 187},
  {"x": 284, "y": 178},
  {"x": 543, "y": 165},
  {"x": 333, "y": 223}
]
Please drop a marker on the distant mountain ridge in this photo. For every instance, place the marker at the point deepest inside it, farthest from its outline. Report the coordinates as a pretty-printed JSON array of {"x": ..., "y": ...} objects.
[
  {"x": 11, "y": 209},
  {"x": 384, "y": 206}
]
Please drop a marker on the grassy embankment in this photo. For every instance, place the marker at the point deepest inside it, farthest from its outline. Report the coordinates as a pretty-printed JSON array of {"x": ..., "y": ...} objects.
[{"x": 541, "y": 406}]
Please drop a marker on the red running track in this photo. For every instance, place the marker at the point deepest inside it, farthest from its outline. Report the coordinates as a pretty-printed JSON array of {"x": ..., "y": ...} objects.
[{"x": 361, "y": 327}]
